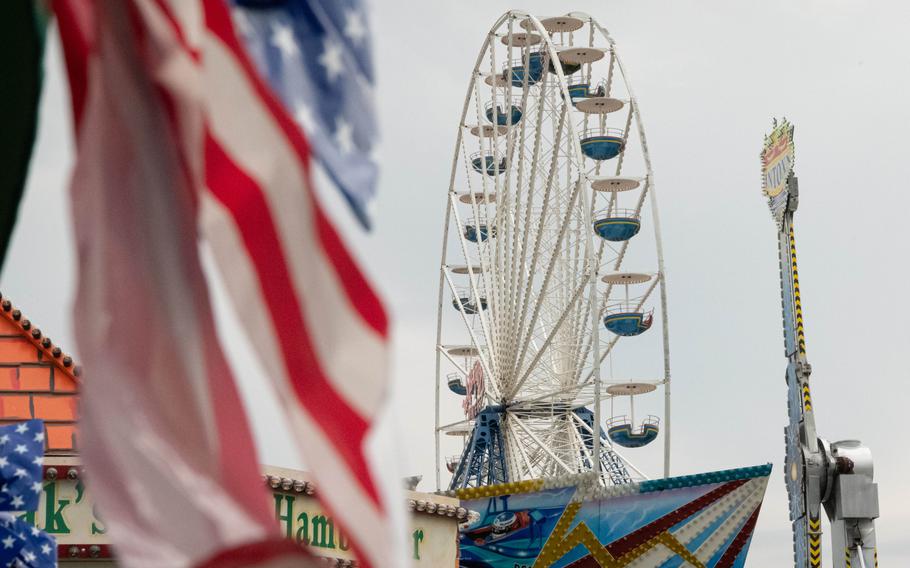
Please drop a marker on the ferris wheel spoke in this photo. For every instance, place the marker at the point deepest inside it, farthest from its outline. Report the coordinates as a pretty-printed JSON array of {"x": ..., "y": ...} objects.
[
  {"x": 554, "y": 331},
  {"x": 546, "y": 281},
  {"x": 539, "y": 235},
  {"x": 520, "y": 245},
  {"x": 524, "y": 292},
  {"x": 541, "y": 445}
]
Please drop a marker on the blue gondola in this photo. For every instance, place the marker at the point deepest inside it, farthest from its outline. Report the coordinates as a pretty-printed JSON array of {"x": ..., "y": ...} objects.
[
  {"x": 487, "y": 164},
  {"x": 495, "y": 113},
  {"x": 456, "y": 385},
  {"x": 470, "y": 307},
  {"x": 603, "y": 144},
  {"x": 623, "y": 434},
  {"x": 617, "y": 228},
  {"x": 478, "y": 233},
  {"x": 628, "y": 323},
  {"x": 578, "y": 91},
  {"x": 516, "y": 73}
]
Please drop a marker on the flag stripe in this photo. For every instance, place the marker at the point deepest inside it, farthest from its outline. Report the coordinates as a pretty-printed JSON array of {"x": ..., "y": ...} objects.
[
  {"x": 243, "y": 199},
  {"x": 356, "y": 286},
  {"x": 76, "y": 34},
  {"x": 347, "y": 501},
  {"x": 348, "y": 349}
]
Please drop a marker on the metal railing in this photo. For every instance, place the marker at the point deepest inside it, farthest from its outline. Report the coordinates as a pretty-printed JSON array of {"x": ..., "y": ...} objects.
[
  {"x": 625, "y": 419},
  {"x": 627, "y": 307},
  {"x": 615, "y": 213},
  {"x": 597, "y": 131}
]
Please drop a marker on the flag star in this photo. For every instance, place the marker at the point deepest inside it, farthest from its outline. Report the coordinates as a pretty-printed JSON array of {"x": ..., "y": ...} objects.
[
  {"x": 29, "y": 556},
  {"x": 3, "y": 461},
  {"x": 4, "y": 439},
  {"x": 35, "y": 531},
  {"x": 36, "y": 487},
  {"x": 20, "y": 472},
  {"x": 331, "y": 59},
  {"x": 344, "y": 136},
  {"x": 304, "y": 117},
  {"x": 8, "y": 542},
  {"x": 4, "y": 489},
  {"x": 45, "y": 548},
  {"x": 39, "y": 437},
  {"x": 22, "y": 428},
  {"x": 283, "y": 39},
  {"x": 39, "y": 460},
  {"x": 21, "y": 449},
  {"x": 354, "y": 27},
  {"x": 241, "y": 22},
  {"x": 18, "y": 502}
]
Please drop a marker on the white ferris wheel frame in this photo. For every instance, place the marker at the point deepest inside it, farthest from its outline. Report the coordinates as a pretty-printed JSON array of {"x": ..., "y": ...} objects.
[{"x": 445, "y": 280}]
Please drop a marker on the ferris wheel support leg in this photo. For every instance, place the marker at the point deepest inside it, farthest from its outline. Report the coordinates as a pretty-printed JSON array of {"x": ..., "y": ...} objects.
[
  {"x": 665, "y": 325},
  {"x": 439, "y": 300}
]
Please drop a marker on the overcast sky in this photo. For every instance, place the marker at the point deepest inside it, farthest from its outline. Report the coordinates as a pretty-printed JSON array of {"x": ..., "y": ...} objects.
[{"x": 709, "y": 76}]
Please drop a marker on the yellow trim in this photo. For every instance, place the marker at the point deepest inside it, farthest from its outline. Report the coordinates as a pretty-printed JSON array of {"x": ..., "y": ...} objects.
[
  {"x": 807, "y": 399},
  {"x": 561, "y": 541},
  {"x": 800, "y": 331},
  {"x": 815, "y": 542},
  {"x": 527, "y": 486},
  {"x": 615, "y": 221}
]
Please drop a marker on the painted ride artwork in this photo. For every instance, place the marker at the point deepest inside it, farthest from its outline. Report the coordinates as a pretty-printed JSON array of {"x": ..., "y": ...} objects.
[
  {"x": 704, "y": 520},
  {"x": 552, "y": 300}
]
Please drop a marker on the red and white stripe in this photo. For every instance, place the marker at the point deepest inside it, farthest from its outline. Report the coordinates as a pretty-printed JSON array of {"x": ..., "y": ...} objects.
[{"x": 319, "y": 329}]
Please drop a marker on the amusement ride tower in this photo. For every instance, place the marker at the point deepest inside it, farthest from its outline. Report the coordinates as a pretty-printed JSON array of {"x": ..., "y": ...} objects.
[{"x": 836, "y": 476}]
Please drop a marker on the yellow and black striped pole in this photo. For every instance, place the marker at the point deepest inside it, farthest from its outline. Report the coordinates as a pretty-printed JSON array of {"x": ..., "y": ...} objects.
[{"x": 798, "y": 317}]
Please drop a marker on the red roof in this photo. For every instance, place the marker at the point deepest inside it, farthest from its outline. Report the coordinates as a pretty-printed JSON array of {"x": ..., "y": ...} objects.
[{"x": 37, "y": 380}]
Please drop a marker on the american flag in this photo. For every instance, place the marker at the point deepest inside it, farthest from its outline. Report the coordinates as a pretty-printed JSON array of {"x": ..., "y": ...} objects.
[
  {"x": 316, "y": 56},
  {"x": 21, "y": 453},
  {"x": 24, "y": 546},
  {"x": 180, "y": 136}
]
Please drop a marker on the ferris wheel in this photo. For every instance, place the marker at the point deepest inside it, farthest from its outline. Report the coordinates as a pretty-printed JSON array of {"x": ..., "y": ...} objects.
[{"x": 552, "y": 300}]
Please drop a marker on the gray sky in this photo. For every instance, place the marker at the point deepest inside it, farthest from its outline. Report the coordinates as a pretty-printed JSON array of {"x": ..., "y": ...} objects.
[{"x": 709, "y": 76}]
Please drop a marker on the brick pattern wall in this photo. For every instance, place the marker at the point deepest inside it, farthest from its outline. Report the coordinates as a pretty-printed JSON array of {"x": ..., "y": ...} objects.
[{"x": 34, "y": 382}]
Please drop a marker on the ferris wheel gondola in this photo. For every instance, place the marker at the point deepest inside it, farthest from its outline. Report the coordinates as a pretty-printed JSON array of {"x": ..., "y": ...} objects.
[{"x": 550, "y": 189}]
